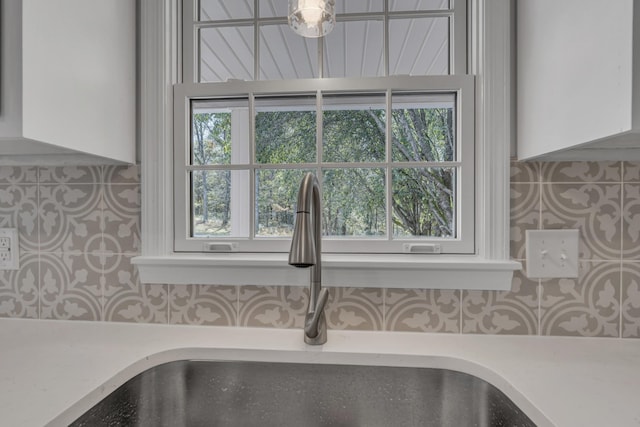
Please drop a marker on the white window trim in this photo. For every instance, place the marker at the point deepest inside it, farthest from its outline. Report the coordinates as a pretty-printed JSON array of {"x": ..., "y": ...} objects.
[{"x": 490, "y": 268}]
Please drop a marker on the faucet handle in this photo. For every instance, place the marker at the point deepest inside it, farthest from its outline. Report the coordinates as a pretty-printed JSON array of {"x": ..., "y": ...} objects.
[{"x": 312, "y": 327}]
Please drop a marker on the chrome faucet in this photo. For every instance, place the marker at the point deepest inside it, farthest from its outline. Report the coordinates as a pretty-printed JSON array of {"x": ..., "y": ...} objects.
[{"x": 306, "y": 251}]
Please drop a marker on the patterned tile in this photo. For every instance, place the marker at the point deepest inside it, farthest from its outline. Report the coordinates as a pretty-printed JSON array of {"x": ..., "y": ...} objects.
[
  {"x": 19, "y": 289},
  {"x": 70, "y": 175},
  {"x": 355, "y": 309},
  {"x": 587, "y": 306},
  {"x": 69, "y": 215},
  {"x": 525, "y": 171},
  {"x": 594, "y": 209},
  {"x": 512, "y": 312},
  {"x": 114, "y": 174},
  {"x": 631, "y": 171},
  {"x": 18, "y": 175},
  {"x": 19, "y": 209},
  {"x": 203, "y": 305},
  {"x": 122, "y": 217},
  {"x": 272, "y": 306},
  {"x": 78, "y": 236},
  {"x": 631, "y": 222},
  {"x": 525, "y": 215},
  {"x": 70, "y": 287},
  {"x": 581, "y": 172},
  {"x": 424, "y": 310},
  {"x": 630, "y": 307},
  {"x": 126, "y": 299}
]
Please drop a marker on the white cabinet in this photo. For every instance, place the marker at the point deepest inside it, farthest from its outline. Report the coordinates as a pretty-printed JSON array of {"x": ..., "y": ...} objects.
[
  {"x": 68, "y": 81},
  {"x": 578, "y": 79}
]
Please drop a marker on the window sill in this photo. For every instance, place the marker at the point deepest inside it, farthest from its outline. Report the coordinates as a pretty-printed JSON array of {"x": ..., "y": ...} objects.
[{"x": 339, "y": 270}]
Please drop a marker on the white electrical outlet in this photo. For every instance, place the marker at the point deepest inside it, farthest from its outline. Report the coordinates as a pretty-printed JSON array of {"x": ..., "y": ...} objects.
[
  {"x": 552, "y": 253},
  {"x": 9, "y": 249}
]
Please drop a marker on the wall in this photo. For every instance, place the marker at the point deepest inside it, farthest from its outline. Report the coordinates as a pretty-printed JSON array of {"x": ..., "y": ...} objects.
[{"x": 79, "y": 228}]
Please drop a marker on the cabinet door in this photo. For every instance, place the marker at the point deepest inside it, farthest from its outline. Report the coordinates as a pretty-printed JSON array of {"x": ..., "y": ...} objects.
[{"x": 574, "y": 73}]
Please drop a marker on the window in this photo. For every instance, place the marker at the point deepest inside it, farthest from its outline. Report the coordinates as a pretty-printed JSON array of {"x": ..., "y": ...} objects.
[
  {"x": 267, "y": 88},
  {"x": 394, "y": 157}
]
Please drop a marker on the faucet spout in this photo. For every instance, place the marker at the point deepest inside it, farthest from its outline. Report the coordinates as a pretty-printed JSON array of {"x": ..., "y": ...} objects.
[{"x": 306, "y": 251}]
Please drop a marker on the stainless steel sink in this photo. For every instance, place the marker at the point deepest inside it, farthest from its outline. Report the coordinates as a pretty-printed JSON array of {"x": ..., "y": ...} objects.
[{"x": 218, "y": 393}]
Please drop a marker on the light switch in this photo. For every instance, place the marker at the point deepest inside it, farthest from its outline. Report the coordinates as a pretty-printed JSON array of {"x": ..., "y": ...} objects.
[{"x": 552, "y": 253}]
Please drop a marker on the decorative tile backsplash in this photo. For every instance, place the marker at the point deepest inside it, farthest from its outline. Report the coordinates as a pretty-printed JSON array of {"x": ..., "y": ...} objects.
[{"x": 80, "y": 226}]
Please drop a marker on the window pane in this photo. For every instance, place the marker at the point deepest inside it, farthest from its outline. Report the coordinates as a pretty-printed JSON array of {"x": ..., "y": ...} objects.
[
  {"x": 273, "y": 8},
  {"x": 419, "y": 46},
  {"x": 286, "y": 55},
  {"x": 353, "y": 128},
  {"x": 423, "y": 127},
  {"x": 286, "y": 129},
  {"x": 423, "y": 202},
  {"x": 276, "y": 196},
  {"x": 360, "y": 6},
  {"x": 217, "y": 202},
  {"x": 215, "y": 10},
  {"x": 226, "y": 53},
  {"x": 409, "y": 5},
  {"x": 219, "y": 133},
  {"x": 354, "y": 202},
  {"x": 279, "y": 8},
  {"x": 354, "y": 49}
]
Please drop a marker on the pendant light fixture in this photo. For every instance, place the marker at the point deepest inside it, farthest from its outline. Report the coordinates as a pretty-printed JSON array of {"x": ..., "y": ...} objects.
[{"x": 312, "y": 18}]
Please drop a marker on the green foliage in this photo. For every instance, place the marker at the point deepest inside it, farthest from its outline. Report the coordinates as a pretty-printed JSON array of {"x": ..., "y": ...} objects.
[
  {"x": 211, "y": 141},
  {"x": 423, "y": 134},
  {"x": 423, "y": 202},
  {"x": 423, "y": 198},
  {"x": 211, "y": 144},
  {"x": 286, "y": 137},
  {"x": 276, "y": 196},
  {"x": 354, "y": 202},
  {"x": 353, "y": 198},
  {"x": 353, "y": 136}
]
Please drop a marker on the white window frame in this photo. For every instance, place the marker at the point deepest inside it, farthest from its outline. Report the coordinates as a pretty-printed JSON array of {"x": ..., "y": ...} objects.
[
  {"x": 461, "y": 86},
  {"x": 488, "y": 268}
]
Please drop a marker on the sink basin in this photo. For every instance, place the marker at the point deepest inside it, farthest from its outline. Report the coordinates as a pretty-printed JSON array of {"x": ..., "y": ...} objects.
[{"x": 237, "y": 393}]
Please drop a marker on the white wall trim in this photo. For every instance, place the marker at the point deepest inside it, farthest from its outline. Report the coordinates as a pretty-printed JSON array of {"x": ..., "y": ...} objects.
[
  {"x": 158, "y": 74},
  {"x": 491, "y": 63},
  {"x": 365, "y": 271}
]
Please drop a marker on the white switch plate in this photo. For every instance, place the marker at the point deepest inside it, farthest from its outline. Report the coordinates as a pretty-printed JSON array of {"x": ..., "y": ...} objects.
[
  {"x": 552, "y": 253},
  {"x": 9, "y": 249}
]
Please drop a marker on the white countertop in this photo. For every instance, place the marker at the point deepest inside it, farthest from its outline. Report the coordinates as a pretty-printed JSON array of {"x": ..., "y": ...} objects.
[{"x": 48, "y": 368}]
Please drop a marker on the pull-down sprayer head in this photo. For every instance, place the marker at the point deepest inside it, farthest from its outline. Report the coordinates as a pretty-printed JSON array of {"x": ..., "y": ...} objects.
[
  {"x": 303, "y": 250},
  {"x": 306, "y": 236}
]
